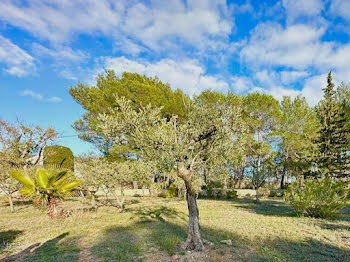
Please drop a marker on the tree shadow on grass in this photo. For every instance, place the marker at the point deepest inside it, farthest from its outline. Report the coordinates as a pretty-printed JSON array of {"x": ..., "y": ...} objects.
[
  {"x": 344, "y": 214},
  {"x": 267, "y": 207},
  {"x": 158, "y": 231},
  {"x": 334, "y": 226},
  {"x": 7, "y": 237},
  {"x": 159, "y": 213},
  {"x": 307, "y": 251},
  {"x": 50, "y": 251},
  {"x": 153, "y": 237}
]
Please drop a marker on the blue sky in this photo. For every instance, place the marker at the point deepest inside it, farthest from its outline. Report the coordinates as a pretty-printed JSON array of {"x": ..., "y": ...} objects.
[{"x": 283, "y": 47}]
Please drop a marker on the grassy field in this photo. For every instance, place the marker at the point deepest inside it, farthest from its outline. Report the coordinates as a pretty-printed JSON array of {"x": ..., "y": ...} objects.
[{"x": 151, "y": 228}]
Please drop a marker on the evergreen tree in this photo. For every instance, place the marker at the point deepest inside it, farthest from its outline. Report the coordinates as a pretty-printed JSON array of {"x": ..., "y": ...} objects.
[
  {"x": 332, "y": 158},
  {"x": 343, "y": 98},
  {"x": 298, "y": 130}
]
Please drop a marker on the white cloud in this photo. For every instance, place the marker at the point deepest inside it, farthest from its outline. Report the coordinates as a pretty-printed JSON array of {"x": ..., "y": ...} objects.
[
  {"x": 241, "y": 84},
  {"x": 187, "y": 75},
  {"x": 295, "y": 46},
  {"x": 279, "y": 92},
  {"x": 267, "y": 82},
  {"x": 288, "y": 77},
  {"x": 129, "y": 47},
  {"x": 341, "y": 8},
  {"x": 193, "y": 22},
  {"x": 302, "y": 54},
  {"x": 60, "y": 53},
  {"x": 312, "y": 90},
  {"x": 40, "y": 97},
  {"x": 32, "y": 94},
  {"x": 297, "y": 8},
  {"x": 155, "y": 25},
  {"x": 17, "y": 61},
  {"x": 55, "y": 99},
  {"x": 60, "y": 19},
  {"x": 63, "y": 59}
]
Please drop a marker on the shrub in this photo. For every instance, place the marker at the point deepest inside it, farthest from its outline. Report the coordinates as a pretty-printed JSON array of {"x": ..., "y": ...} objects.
[
  {"x": 210, "y": 191},
  {"x": 171, "y": 192},
  {"x": 319, "y": 198},
  {"x": 58, "y": 157},
  {"x": 231, "y": 194},
  {"x": 218, "y": 193},
  {"x": 277, "y": 193}
]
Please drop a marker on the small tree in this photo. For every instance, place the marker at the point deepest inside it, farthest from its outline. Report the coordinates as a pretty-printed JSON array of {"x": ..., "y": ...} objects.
[
  {"x": 46, "y": 185},
  {"x": 99, "y": 174},
  {"x": 20, "y": 146},
  {"x": 184, "y": 146},
  {"x": 8, "y": 185}
]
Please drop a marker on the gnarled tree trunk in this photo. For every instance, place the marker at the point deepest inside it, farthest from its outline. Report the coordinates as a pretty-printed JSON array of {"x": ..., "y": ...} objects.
[{"x": 194, "y": 240}]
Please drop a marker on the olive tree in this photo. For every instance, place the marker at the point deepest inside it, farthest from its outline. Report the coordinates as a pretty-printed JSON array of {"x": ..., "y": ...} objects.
[
  {"x": 181, "y": 145},
  {"x": 20, "y": 146},
  {"x": 8, "y": 185},
  {"x": 111, "y": 178}
]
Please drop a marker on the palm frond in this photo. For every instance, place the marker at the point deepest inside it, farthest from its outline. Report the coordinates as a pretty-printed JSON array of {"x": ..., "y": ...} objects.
[
  {"x": 23, "y": 177},
  {"x": 42, "y": 178}
]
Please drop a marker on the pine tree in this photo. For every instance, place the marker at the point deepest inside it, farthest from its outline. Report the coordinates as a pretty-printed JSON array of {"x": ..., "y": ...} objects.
[{"x": 332, "y": 156}]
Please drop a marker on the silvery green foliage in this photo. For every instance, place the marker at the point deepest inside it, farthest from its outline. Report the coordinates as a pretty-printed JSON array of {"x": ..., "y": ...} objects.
[
  {"x": 100, "y": 174},
  {"x": 170, "y": 144}
]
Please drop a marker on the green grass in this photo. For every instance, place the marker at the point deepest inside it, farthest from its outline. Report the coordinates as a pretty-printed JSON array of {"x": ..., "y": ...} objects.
[{"x": 151, "y": 228}]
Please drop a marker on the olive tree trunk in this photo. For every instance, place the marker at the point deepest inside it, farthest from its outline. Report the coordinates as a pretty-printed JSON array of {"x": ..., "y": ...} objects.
[
  {"x": 194, "y": 240},
  {"x": 11, "y": 203},
  {"x": 121, "y": 199}
]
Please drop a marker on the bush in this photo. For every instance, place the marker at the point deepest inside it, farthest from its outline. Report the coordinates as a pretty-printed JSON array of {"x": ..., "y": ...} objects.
[
  {"x": 231, "y": 194},
  {"x": 58, "y": 157},
  {"x": 218, "y": 193},
  {"x": 171, "y": 192},
  {"x": 210, "y": 191},
  {"x": 319, "y": 198},
  {"x": 277, "y": 193}
]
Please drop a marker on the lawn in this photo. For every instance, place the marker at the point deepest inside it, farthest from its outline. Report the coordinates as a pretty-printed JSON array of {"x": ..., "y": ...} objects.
[{"x": 151, "y": 228}]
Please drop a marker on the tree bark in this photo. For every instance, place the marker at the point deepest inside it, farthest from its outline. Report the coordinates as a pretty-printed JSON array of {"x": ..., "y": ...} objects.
[
  {"x": 257, "y": 195},
  {"x": 282, "y": 182},
  {"x": 194, "y": 240},
  {"x": 11, "y": 202},
  {"x": 121, "y": 199},
  {"x": 282, "y": 178},
  {"x": 51, "y": 207},
  {"x": 258, "y": 180}
]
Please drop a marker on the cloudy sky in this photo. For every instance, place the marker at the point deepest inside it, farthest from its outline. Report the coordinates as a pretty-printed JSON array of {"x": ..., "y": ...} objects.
[{"x": 279, "y": 47}]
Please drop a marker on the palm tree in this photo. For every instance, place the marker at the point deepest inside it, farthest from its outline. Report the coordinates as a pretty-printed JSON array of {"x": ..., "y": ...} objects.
[{"x": 46, "y": 186}]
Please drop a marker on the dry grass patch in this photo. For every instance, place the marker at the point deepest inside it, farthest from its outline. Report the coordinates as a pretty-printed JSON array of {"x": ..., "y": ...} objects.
[{"x": 151, "y": 228}]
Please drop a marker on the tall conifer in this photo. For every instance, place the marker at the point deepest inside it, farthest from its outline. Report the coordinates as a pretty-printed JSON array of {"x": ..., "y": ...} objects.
[{"x": 332, "y": 158}]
